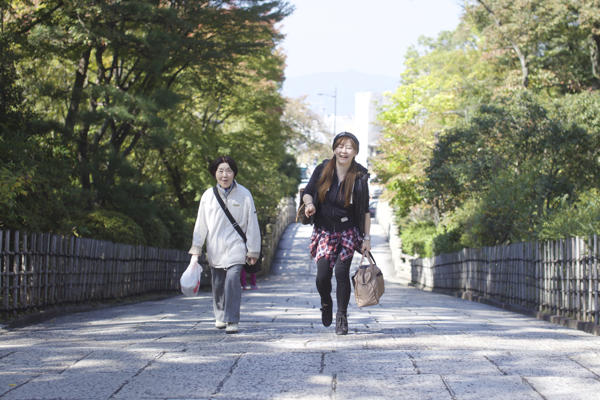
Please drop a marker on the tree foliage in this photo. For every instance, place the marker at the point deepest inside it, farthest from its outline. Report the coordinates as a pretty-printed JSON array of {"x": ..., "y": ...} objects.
[
  {"x": 545, "y": 44},
  {"x": 573, "y": 218},
  {"x": 517, "y": 135},
  {"x": 132, "y": 100},
  {"x": 35, "y": 189},
  {"x": 443, "y": 83},
  {"x": 307, "y": 129},
  {"x": 494, "y": 128}
]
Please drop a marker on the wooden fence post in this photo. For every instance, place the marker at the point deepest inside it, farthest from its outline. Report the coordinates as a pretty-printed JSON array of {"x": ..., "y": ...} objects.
[
  {"x": 559, "y": 277},
  {"x": 595, "y": 285},
  {"x": 38, "y": 270}
]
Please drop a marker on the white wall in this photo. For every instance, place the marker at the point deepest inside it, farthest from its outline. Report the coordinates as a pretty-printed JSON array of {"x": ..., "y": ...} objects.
[
  {"x": 366, "y": 105},
  {"x": 384, "y": 216}
]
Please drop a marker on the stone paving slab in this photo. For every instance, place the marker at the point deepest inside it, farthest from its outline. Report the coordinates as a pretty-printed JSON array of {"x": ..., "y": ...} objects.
[
  {"x": 69, "y": 386},
  {"x": 406, "y": 387},
  {"x": 413, "y": 345},
  {"x": 469, "y": 387},
  {"x": 565, "y": 388}
]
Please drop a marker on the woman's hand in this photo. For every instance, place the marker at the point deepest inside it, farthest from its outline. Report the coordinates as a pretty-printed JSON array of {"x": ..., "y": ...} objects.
[
  {"x": 252, "y": 261},
  {"x": 309, "y": 209},
  {"x": 366, "y": 245},
  {"x": 193, "y": 260}
]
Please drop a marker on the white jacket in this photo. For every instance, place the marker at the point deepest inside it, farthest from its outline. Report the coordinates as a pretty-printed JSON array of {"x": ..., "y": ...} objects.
[{"x": 224, "y": 245}]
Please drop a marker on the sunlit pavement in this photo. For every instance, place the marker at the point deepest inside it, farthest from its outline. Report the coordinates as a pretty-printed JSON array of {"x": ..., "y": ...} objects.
[{"x": 414, "y": 345}]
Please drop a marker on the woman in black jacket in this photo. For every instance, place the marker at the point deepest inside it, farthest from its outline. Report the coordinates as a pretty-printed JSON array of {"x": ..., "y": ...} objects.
[{"x": 338, "y": 197}]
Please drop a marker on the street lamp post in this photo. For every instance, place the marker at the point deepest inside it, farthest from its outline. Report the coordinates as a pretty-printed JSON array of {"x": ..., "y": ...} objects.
[{"x": 334, "y": 95}]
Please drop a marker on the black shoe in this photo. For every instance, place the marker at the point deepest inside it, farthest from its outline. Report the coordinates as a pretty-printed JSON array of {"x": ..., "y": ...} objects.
[
  {"x": 327, "y": 313},
  {"x": 341, "y": 323}
]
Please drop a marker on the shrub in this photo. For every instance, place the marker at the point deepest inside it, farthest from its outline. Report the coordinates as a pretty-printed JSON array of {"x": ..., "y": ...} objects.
[
  {"x": 506, "y": 213},
  {"x": 180, "y": 225},
  {"x": 416, "y": 238},
  {"x": 579, "y": 218},
  {"x": 447, "y": 239},
  {"x": 112, "y": 226},
  {"x": 155, "y": 232}
]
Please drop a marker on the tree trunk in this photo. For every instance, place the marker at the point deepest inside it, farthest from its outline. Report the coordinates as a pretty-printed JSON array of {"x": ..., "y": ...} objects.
[
  {"x": 176, "y": 179},
  {"x": 595, "y": 56},
  {"x": 523, "y": 60},
  {"x": 515, "y": 46},
  {"x": 77, "y": 91},
  {"x": 82, "y": 141}
]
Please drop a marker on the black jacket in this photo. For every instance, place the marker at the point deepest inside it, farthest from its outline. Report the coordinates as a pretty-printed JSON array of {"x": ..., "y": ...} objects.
[{"x": 327, "y": 216}]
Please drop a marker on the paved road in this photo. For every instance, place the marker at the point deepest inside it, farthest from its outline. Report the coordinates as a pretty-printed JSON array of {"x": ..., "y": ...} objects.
[{"x": 414, "y": 345}]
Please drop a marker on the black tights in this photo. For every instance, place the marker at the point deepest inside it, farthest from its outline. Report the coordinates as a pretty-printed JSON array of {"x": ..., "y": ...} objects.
[{"x": 342, "y": 277}]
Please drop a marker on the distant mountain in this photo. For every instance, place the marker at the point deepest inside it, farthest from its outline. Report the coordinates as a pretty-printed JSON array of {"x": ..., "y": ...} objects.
[{"x": 348, "y": 83}]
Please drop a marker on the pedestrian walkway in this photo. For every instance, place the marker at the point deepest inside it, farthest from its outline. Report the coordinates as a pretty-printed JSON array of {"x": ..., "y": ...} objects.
[{"x": 414, "y": 345}]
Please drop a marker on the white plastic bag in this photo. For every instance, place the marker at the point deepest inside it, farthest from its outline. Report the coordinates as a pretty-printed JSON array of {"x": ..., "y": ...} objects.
[{"x": 190, "y": 279}]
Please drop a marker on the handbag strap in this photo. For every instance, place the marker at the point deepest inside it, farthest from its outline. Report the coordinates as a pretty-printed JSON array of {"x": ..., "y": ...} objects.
[
  {"x": 231, "y": 219},
  {"x": 370, "y": 258}
]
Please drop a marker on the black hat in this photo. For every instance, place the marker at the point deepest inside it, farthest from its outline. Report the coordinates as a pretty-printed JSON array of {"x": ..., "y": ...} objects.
[{"x": 348, "y": 135}]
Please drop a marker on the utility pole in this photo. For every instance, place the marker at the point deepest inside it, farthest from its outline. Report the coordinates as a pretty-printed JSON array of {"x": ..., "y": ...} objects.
[{"x": 334, "y": 95}]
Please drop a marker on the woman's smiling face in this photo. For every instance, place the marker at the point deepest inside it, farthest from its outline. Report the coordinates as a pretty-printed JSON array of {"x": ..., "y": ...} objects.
[
  {"x": 345, "y": 152},
  {"x": 224, "y": 175}
]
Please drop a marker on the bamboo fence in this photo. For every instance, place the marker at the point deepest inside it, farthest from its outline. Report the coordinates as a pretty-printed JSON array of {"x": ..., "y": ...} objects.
[
  {"x": 39, "y": 270},
  {"x": 557, "y": 277},
  {"x": 286, "y": 214}
]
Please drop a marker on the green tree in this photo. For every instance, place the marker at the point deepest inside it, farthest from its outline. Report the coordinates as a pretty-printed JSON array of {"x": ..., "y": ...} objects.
[
  {"x": 15, "y": 174},
  {"x": 573, "y": 218},
  {"x": 308, "y": 135},
  {"x": 508, "y": 166},
  {"x": 442, "y": 85},
  {"x": 243, "y": 121},
  {"x": 546, "y": 44},
  {"x": 139, "y": 97},
  {"x": 35, "y": 189},
  {"x": 110, "y": 69},
  {"x": 495, "y": 123}
]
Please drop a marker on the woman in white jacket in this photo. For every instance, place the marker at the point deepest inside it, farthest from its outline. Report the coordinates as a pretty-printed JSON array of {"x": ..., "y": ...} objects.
[{"x": 225, "y": 249}]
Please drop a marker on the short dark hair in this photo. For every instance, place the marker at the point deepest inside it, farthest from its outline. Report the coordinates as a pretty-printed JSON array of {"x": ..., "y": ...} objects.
[{"x": 220, "y": 160}]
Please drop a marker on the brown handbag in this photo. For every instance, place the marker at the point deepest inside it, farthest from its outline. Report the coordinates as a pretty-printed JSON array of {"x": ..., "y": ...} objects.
[
  {"x": 301, "y": 213},
  {"x": 368, "y": 283}
]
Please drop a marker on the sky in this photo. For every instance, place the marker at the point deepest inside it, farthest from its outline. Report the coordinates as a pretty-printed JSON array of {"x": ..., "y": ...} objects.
[{"x": 368, "y": 36}]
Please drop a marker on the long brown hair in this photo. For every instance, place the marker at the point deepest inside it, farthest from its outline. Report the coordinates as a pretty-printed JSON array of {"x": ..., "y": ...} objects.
[{"x": 324, "y": 182}]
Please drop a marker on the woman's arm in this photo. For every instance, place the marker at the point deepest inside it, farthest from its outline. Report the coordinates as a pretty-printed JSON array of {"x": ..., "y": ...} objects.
[
  {"x": 200, "y": 229},
  {"x": 311, "y": 190},
  {"x": 309, "y": 208},
  {"x": 253, "y": 242},
  {"x": 311, "y": 186},
  {"x": 366, "y": 246}
]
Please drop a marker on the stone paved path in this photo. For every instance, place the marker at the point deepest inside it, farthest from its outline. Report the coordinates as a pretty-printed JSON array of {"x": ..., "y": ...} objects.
[{"x": 414, "y": 345}]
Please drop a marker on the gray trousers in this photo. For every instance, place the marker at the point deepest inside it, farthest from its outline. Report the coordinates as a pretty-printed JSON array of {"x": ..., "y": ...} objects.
[{"x": 227, "y": 293}]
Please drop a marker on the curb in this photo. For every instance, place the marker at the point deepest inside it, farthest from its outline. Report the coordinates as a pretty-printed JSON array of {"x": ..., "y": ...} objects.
[
  {"x": 59, "y": 311},
  {"x": 555, "y": 319}
]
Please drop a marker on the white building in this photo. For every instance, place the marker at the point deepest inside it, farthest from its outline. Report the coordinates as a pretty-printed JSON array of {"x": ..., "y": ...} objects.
[
  {"x": 363, "y": 123},
  {"x": 339, "y": 123},
  {"x": 366, "y": 105}
]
